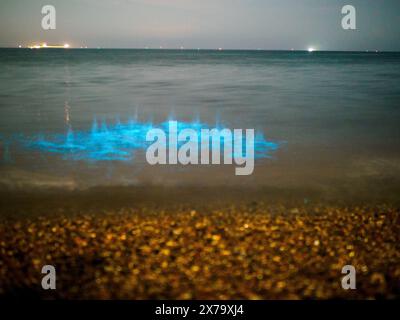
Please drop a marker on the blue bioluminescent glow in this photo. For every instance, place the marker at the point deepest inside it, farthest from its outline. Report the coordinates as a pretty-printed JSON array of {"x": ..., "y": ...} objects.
[{"x": 119, "y": 141}]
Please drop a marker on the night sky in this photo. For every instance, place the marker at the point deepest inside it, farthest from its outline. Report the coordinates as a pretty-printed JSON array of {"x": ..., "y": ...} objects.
[{"x": 229, "y": 24}]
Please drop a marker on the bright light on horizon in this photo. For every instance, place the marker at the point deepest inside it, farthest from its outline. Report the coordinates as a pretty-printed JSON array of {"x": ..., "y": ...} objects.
[
  {"x": 311, "y": 49},
  {"x": 45, "y": 45}
]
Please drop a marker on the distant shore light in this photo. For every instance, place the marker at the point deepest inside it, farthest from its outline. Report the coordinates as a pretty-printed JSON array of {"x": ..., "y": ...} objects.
[
  {"x": 311, "y": 49},
  {"x": 66, "y": 45}
]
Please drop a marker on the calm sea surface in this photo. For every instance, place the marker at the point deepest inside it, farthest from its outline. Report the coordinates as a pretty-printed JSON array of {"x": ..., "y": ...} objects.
[{"x": 335, "y": 115}]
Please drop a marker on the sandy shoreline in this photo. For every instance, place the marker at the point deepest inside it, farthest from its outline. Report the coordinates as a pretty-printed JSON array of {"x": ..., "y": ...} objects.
[
  {"x": 199, "y": 250},
  {"x": 15, "y": 203}
]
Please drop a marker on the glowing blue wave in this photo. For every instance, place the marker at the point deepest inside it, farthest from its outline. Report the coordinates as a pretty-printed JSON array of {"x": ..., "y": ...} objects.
[{"x": 120, "y": 141}]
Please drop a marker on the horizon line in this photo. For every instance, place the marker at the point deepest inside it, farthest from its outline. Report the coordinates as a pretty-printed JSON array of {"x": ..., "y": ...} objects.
[{"x": 202, "y": 49}]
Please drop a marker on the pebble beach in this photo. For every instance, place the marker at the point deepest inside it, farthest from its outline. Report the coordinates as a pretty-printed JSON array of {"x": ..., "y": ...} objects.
[{"x": 237, "y": 251}]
